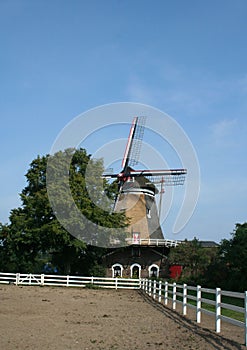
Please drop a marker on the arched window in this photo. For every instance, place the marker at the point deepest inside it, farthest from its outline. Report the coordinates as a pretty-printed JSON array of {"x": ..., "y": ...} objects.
[
  {"x": 135, "y": 271},
  {"x": 153, "y": 271},
  {"x": 117, "y": 270}
]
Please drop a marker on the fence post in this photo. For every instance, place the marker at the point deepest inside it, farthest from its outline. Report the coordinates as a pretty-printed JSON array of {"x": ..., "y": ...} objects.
[
  {"x": 198, "y": 304},
  {"x": 150, "y": 287},
  {"x": 30, "y": 279},
  {"x": 146, "y": 285},
  {"x": 92, "y": 280},
  {"x": 185, "y": 299},
  {"x": 217, "y": 310},
  {"x": 17, "y": 279},
  {"x": 174, "y": 296},
  {"x": 42, "y": 279},
  {"x": 67, "y": 282},
  {"x": 245, "y": 306},
  {"x": 160, "y": 290},
  {"x": 154, "y": 290},
  {"x": 116, "y": 280},
  {"x": 166, "y": 293}
]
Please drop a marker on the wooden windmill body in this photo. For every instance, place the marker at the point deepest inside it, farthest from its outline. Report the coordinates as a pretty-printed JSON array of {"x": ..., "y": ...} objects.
[
  {"x": 137, "y": 199},
  {"x": 146, "y": 250}
]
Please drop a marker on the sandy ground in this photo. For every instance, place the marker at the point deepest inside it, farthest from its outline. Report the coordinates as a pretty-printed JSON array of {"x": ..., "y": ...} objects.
[{"x": 69, "y": 318}]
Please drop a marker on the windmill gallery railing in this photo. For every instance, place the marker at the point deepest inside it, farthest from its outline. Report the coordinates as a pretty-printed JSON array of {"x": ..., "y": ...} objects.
[
  {"x": 214, "y": 302},
  {"x": 153, "y": 242}
]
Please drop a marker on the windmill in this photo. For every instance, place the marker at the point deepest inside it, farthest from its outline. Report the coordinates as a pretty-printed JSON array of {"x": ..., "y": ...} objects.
[{"x": 137, "y": 189}]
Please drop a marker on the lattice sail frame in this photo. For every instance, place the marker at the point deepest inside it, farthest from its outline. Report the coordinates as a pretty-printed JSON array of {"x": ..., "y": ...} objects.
[
  {"x": 135, "y": 150},
  {"x": 167, "y": 180},
  {"x": 133, "y": 146},
  {"x": 171, "y": 177}
]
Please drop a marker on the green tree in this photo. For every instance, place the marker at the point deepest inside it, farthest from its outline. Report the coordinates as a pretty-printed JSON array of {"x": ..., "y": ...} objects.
[
  {"x": 193, "y": 257},
  {"x": 89, "y": 263},
  {"x": 89, "y": 191},
  {"x": 7, "y": 254},
  {"x": 34, "y": 233},
  {"x": 233, "y": 256}
]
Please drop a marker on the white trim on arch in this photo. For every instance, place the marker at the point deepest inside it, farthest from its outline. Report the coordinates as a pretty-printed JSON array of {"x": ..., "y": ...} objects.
[
  {"x": 139, "y": 269},
  {"x": 113, "y": 269},
  {"x": 150, "y": 272}
]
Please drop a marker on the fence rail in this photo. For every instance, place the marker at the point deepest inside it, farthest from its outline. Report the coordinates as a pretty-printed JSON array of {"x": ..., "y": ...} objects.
[
  {"x": 68, "y": 281},
  {"x": 203, "y": 300}
]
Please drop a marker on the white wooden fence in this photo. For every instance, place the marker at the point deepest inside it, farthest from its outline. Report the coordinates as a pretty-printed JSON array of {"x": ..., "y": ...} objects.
[
  {"x": 68, "y": 281},
  {"x": 188, "y": 296},
  {"x": 162, "y": 292}
]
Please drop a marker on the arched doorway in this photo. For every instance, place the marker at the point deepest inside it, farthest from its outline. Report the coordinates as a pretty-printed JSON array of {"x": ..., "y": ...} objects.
[
  {"x": 117, "y": 270},
  {"x": 135, "y": 271},
  {"x": 153, "y": 271}
]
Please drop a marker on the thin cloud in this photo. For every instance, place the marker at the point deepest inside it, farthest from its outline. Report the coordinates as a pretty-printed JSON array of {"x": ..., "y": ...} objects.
[
  {"x": 197, "y": 92},
  {"x": 223, "y": 130},
  {"x": 243, "y": 85},
  {"x": 139, "y": 92}
]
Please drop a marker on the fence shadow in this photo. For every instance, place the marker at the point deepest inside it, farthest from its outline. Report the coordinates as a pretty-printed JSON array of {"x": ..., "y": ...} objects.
[{"x": 217, "y": 341}]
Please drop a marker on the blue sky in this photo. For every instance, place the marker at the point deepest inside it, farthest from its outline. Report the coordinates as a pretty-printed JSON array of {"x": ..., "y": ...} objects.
[{"x": 187, "y": 58}]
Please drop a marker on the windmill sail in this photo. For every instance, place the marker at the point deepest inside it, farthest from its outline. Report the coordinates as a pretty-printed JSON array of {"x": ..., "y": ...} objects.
[{"x": 133, "y": 147}]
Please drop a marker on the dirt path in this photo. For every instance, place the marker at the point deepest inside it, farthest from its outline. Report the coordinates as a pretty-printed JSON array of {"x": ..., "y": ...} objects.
[{"x": 70, "y": 318}]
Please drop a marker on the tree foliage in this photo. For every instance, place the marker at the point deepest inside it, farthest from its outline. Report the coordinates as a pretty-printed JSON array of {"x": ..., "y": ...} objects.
[
  {"x": 194, "y": 259},
  {"x": 233, "y": 255},
  {"x": 34, "y": 234},
  {"x": 224, "y": 267}
]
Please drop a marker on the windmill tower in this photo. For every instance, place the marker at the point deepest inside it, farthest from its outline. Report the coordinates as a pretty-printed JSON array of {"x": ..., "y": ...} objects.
[{"x": 137, "y": 189}]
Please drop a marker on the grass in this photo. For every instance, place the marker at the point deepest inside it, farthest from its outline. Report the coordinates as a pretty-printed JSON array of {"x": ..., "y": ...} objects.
[
  {"x": 225, "y": 312},
  {"x": 92, "y": 286},
  {"x": 224, "y": 299}
]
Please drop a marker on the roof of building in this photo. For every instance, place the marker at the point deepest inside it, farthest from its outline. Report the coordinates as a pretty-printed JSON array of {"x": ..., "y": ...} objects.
[{"x": 209, "y": 244}]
